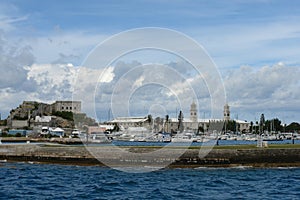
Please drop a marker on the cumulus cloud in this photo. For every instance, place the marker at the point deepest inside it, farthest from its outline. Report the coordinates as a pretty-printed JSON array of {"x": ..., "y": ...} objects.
[
  {"x": 250, "y": 90},
  {"x": 107, "y": 75},
  {"x": 138, "y": 87},
  {"x": 266, "y": 89},
  {"x": 54, "y": 81},
  {"x": 12, "y": 61}
]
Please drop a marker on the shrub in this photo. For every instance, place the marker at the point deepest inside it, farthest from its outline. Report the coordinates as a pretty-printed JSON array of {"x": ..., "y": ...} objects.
[{"x": 64, "y": 115}]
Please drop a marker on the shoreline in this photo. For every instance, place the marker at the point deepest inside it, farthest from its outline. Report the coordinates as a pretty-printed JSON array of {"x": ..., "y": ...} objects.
[
  {"x": 172, "y": 166},
  {"x": 219, "y": 156}
]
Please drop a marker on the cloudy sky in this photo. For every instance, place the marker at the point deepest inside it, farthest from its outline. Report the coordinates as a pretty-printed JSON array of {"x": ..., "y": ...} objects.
[{"x": 45, "y": 48}]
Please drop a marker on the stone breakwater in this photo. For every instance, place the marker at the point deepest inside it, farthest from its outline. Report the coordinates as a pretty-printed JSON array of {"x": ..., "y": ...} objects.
[{"x": 150, "y": 156}]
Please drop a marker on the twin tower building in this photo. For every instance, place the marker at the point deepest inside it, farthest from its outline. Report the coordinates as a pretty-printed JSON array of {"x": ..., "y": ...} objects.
[{"x": 194, "y": 111}]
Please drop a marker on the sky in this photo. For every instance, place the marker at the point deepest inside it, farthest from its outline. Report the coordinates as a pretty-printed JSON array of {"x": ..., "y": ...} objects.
[{"x": 255, "y": 46}]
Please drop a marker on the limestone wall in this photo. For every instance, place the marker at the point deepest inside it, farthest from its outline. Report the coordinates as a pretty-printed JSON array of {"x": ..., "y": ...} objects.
[{"x": 216, "y": 157}]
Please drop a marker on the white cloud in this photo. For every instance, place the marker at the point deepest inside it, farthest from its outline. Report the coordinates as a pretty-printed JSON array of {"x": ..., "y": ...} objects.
[
  {"x": 107, "y": 75},
  {"x": 273, "y": 89},
  {"x": 54, "y": 80},
  {"x": 269, "y": 89},
  {"x": 13, "y": 58}
]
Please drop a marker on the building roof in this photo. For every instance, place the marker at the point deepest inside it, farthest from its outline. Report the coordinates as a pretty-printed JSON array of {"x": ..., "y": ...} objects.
[
  {"x": 129, "y": 120},
  {"x": 241, "y": 121},
  {"x": 199, "y": 120},
  {"x": 43, "y": 119},
  {"x": 67, "y": 101},
  {"x": 57, "y": 129}
]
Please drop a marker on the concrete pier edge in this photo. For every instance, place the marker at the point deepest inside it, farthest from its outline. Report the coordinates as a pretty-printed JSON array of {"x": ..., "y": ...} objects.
[{"x": 79, "y": 155}]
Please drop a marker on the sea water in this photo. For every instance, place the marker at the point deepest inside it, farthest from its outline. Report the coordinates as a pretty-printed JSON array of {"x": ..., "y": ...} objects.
[{"x": 51, "y": 181}]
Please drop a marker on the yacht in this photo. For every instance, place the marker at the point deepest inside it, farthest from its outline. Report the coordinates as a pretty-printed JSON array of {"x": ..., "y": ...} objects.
[
  {"x": 94, "y": 138},
  {"x": 182, "y": 137}
]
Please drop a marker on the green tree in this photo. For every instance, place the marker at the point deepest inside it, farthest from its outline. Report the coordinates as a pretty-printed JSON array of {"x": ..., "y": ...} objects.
[
  {"x": 150, "y": 119},
  {"x": 262, "y": 123},
  {"x": 166, "y": 128},
  {"x": 251, "y": 126},
  {"x": 273, "y": 125},
  {"x": 294, "y": 126},
  {"x": 18, "y": 135},
  {"x": 180, "y": 122},
  {"x": 200, "y": 129},
  {"x": 231, "y": 125},
  {"x": 64, "y": 114}
]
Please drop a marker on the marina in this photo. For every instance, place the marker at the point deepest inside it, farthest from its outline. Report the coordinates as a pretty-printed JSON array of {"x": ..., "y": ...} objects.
[{"x": 148, "y": 141}]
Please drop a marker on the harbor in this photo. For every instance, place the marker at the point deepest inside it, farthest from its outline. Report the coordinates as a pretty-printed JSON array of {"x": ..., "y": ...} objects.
[
  {"x": 149, "y": 100},
  {"x": 61, "y": 133}
]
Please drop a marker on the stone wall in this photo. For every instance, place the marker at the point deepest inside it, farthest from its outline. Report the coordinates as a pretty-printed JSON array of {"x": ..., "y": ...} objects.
[
  {"x": 215, "y": 158},
  {"x": 69, "y": 106}
]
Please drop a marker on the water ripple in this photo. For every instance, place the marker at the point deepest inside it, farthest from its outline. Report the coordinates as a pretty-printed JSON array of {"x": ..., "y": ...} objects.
[{"x": 40, "y": 181}]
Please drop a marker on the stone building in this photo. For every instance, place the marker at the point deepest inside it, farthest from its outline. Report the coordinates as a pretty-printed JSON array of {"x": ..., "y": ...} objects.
[
  {"x": 17, "y": 123},
  {"x": 131, "y": 122},
  {"x": 226, "y": 112},
  {"x": 69, "y": 106},
  {"x": 193, "y": 112},
  {"x": 190, "y": 124}
]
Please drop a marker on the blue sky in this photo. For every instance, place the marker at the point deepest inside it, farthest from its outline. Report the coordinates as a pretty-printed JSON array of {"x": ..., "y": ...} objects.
[
  {"x": 245, "y": 39},
  {"x": 244, "y": 27}
]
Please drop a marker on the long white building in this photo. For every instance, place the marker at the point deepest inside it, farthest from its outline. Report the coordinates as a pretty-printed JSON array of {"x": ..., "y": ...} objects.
[{"x": 192, "y": 124}]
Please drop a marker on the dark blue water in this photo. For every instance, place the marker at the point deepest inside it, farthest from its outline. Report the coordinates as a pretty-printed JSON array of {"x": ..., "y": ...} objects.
[{"x": 41, "y": 181}]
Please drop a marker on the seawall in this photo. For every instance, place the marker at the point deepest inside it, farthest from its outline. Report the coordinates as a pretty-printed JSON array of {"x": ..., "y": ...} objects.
[{"x": 150, "y": 156}]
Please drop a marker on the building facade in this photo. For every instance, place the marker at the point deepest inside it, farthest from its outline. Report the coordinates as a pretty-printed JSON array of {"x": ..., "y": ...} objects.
[
  {"x": 68, "y": 106},
  {"x": 193, "y": 112},
  {"x": 126, "y": 122},
  {"x": 191, "y": 124},
  {"x": 226, "y": 112}
]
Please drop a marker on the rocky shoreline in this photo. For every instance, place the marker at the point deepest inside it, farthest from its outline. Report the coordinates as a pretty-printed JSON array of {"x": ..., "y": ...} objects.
[{"x": 150, "y": 156}]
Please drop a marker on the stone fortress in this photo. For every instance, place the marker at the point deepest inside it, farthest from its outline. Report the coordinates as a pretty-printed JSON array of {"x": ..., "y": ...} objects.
[{"x": 32, "y": 113}]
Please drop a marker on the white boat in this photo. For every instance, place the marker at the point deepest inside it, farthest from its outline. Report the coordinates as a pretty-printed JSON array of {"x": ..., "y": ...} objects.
[
  {"x": 100, "y": 138},
  {"x": 158, "y": 137},
  {"x": 124, "y": 137},
  {"x": 182, "y": 138},
  {"x": 202, "y": 139},
  {"x": 270, "y": 138},
  {"x": 45, "y": 130},
  {"x": 96, "y": 138},
  {"x": 75, "y": 133},
  {"x": 140, "y": 138}
]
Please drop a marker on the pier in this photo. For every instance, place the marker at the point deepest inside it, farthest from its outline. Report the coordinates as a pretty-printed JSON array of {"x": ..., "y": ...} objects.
[{"x": 217, "y": 157}]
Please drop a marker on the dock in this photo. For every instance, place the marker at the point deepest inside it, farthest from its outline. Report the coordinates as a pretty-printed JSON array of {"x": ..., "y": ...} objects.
[{"x": 152, "y": 156}]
